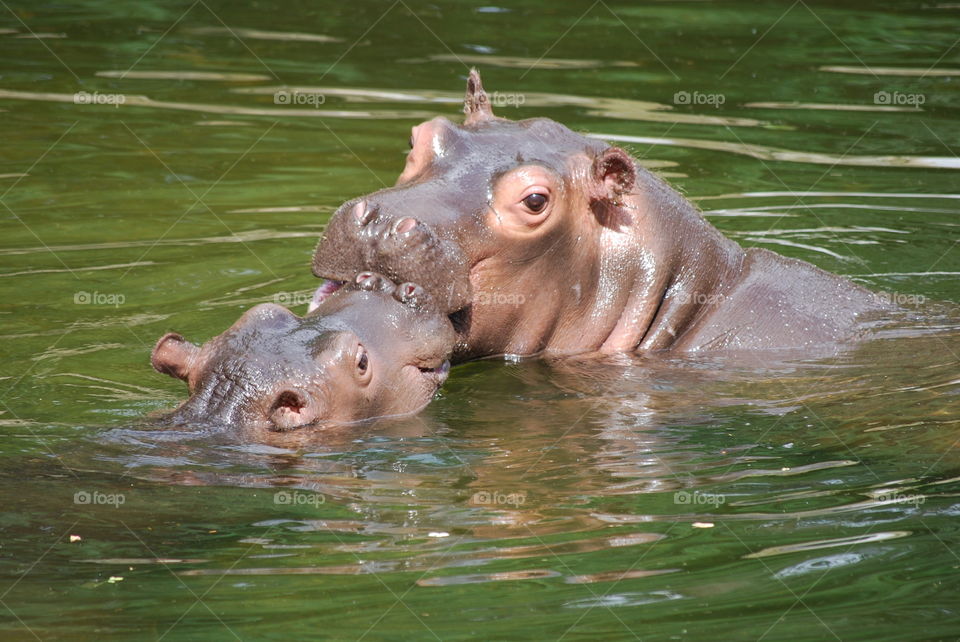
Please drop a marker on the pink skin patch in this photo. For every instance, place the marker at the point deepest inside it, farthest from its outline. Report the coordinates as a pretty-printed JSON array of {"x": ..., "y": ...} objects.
[
  {"x": 440, "y": 373},
  {"x": 327, "y": 288},
  {"x": 444, "y": 371}
]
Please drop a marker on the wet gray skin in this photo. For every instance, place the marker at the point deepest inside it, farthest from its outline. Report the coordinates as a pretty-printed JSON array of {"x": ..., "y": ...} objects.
[
  {"x": 370, "y": 350},
  {"x": 534, "y": 238}
]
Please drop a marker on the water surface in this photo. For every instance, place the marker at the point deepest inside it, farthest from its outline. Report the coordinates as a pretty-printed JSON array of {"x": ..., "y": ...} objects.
[{"x": 680, "y": 497}]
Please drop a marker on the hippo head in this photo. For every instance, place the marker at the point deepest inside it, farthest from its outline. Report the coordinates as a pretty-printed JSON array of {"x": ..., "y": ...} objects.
[
  {"x": 372, "y": 349},
  {"x": 492, "y": 216}
]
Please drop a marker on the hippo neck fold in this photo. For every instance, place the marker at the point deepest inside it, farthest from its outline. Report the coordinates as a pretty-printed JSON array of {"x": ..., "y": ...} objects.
[
  {"x": 699, "y": 265},
  {"x": 662, "y": 271}
]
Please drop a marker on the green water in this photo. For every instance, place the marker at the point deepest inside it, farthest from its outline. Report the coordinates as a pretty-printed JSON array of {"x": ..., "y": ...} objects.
[{"x": 683, "y": 498}]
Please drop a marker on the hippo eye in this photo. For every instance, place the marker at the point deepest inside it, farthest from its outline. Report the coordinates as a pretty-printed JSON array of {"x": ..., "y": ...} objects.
[
  {"x": 363, "y": 361},
  {"x": 410, "y": 142},
  {"x": 535, "y": 202}
]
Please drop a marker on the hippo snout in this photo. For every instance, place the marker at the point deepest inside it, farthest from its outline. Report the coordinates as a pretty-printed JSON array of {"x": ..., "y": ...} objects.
[
  {"x": 220, "y": 400},
  {"x": 369, "y": 216},
  {"x": 380, "y": 233}
]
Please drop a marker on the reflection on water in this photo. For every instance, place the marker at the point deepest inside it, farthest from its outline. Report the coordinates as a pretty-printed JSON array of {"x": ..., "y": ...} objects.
[
  {"x": 116, "y": 101},
  {"x": 579, "y": 446},
  {"x": 831, "y": 107},
  {"x": 299, "y": 95},
  {"x": 892, "y": 71},
  {"x": 774, "y": 154},
  {"x": 684, "y": 497},
  {"x": 520, "y": 62},
  {"x": 259, "y": 34},
  {"x": 183, "y": 75},
  {"x": 617, "y": 483}
]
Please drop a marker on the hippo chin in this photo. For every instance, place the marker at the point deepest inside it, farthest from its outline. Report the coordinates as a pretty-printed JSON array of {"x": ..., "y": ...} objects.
[
  {"x": 535, "y": 238},
  {"x": 370, "y": 350}
]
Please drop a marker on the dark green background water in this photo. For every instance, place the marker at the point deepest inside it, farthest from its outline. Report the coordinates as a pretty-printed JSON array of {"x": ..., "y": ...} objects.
[{"x": 658, "y": 499}]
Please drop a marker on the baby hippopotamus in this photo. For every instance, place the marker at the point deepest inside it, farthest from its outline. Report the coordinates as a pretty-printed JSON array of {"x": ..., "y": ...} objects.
[{"x": 372, "y": 349}]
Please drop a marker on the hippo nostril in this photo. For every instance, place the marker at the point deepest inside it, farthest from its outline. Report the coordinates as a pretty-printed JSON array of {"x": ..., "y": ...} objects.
[
  {"x": 410, "y": 293},
  {"x": 373, "y": 282},
  {"x": 404, "y": 225},
  {"x": 364, "y": 212},
  {"x": 288, "y": 410}
]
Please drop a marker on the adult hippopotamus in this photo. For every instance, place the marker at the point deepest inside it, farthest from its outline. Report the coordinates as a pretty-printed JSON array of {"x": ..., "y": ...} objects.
[
  {"x": 373, "y": 349},
  {"x": 536, "y": 238}
]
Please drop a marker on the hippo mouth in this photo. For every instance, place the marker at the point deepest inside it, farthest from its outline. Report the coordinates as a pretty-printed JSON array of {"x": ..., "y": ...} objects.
[
  {"x": 436, "y": 375},
  {"x": 328, "y": 287}
]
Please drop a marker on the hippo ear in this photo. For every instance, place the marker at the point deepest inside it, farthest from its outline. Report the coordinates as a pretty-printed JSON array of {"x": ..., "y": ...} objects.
[
  {"x": 476, "y": 104},
  {"x": 175, "y": 356},
  {"x": 614, "y": 173}
]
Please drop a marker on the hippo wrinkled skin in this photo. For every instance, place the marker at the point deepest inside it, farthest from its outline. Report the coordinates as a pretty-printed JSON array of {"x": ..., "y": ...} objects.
[
  {"x": 537, "y": 239},
  {"x": 372, "y": 349}
]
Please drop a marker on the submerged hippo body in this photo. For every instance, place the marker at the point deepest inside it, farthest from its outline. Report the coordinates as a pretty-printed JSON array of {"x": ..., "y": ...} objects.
[
  {"x": 371, "y": 350},
  {"x": 535, "y": 238}
]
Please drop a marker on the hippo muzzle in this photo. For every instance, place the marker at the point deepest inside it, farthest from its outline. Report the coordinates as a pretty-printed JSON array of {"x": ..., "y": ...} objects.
[{"x": 379, "y": 233}]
